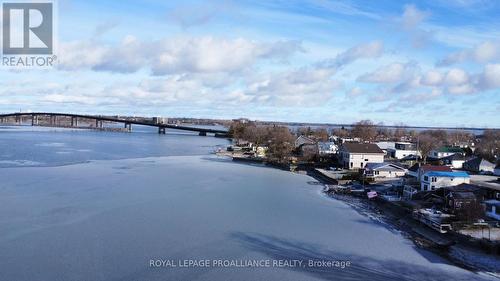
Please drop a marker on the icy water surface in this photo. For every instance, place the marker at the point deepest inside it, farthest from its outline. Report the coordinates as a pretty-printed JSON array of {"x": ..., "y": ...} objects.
[{"x": 84, "y": 205}]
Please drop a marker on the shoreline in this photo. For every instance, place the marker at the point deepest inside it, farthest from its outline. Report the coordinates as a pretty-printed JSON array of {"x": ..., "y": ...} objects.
[{"x": 380, "y": 214}]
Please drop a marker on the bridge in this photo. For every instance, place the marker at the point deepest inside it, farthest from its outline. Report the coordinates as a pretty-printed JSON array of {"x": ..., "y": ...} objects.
[{"x": 128, "y": 122}]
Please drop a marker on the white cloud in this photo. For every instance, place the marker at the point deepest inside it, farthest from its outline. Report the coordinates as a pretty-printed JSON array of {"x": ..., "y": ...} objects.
[
  {"x": 411, "y": 22},
  {"x": 490, "y": 77},
  {"x": 456, "y": 76},
  {"x": 412, "y": 16},
  {"x": 372, "y": 49},
  {"x": 432, "y": 78},
  {"x": 391, "y": 73},
  {"x": 487, "y": 51},
  {"x": 170, "y": 56}
]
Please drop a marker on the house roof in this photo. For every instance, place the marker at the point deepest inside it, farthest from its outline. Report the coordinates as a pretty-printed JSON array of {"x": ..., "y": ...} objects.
[
  {"x": 478, "y": 161},
  {"x": 430, "y": 168},
  {"x": 362, "y": 148},
  {"x": 414, "y": 168},
  {"x": 376, "y": 166},
  {"x": 450, "y": 149},
  {"x": 456, "y": 156},
  {"x": 305, "y": 139},
  {"x": 463, "y": 187},
  {"x": 463, "y": 195},
  {"x": 447, "y": 174}
]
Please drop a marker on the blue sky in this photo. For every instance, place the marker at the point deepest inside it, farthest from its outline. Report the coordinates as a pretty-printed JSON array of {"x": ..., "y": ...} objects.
[{"x": 433, "y": 63}]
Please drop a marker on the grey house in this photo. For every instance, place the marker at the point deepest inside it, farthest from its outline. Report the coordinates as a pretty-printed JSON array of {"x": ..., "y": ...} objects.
[{"x": 479, "y": 165}]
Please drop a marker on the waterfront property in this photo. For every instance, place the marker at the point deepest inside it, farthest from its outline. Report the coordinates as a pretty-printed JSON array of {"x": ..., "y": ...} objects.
[
  {"x": 436, "y": 179},
  {"x": 383, "y": 171},
  {"x": 357, "y": 155}
]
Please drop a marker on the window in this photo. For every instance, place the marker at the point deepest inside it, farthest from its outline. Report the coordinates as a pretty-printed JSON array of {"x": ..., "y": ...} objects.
[
  {"x": 434, "y": 179},
  {"x": 426, "y": 178},
  {"x": 352, "y": 164},
  {"x": 361, "y": 164},
  {"x": 366, "y": 160},
  {"x": 425, "y": 187}
]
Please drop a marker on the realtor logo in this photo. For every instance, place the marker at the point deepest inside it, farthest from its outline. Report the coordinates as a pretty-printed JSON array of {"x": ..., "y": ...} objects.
[
  {"x": 27, "y": 28},
  {"x": 28, "y": 33}
]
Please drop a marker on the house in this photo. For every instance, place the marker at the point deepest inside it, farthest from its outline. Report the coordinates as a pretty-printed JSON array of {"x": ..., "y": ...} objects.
[
  {"x": 455, "y": 161},
  {"x": 380, "y": 171},
  {"x": 301, "y": 140},
  {"x": 357, "y": 155},
  {"x": 327, "y": 148},
  {"x": 422, "y": 169},
  {"x": 409, "y": 160},
  {"x": 479, "y": 165},
  {"x": 444, "y": 151},
  {"x": 460, "y": 196},
  {"x": 433, "y": 180},
  {"x": 493, "y": 209},
  {"x": 402, "y": 150}
]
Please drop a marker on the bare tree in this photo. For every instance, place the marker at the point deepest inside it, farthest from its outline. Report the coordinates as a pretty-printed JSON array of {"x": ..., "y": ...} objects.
[
  {"x": 365, "y": 130},
  {"x": 489, "y": 145},
  {"x": 400, "y": 131},
  {"x": 280, "y": 144},
  {"x": 426, "y": 143}
]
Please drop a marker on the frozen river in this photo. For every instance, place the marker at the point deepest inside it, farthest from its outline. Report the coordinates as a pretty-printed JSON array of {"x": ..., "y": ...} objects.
[{"x": 83, "y": 205}]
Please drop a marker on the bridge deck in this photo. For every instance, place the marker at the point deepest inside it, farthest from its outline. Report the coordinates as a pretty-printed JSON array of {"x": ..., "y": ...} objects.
[{"x": 117, "y": 120}]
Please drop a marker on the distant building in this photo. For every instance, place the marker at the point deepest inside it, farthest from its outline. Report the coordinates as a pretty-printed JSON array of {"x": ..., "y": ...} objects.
[
  {"x": 327, "y": 148},
  {"x": 479, "y": 165},
  {"x": 381, "y": 171},
  {"x": 160, "y": 120},
  {"x": 357, "y": 155},
  {"x": 444, "y": 152},
  {"x": 301, "y": 140},
  {"x": 433, "y": 180}
]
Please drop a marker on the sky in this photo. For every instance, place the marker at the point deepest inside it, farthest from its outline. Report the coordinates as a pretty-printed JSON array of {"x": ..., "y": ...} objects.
[{"x": 420, "y": 63}]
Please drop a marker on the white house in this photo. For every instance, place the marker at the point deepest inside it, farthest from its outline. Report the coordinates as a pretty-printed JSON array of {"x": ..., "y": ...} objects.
[
  {"x": 327, "y": 148},
  {"x": 492, "y": 209},
  {"x": 433, "y": 180},
  {"x": 381, "y": 171},
  {"x": 402, "y": 150},
  {"x": 444, "y": 152},
  {"x": 357, "y": 155},
  {"x": 456, "y": 161}
]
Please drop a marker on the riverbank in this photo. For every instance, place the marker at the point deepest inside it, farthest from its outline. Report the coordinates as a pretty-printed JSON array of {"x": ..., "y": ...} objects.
[{"x": 395, "y": 219}]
